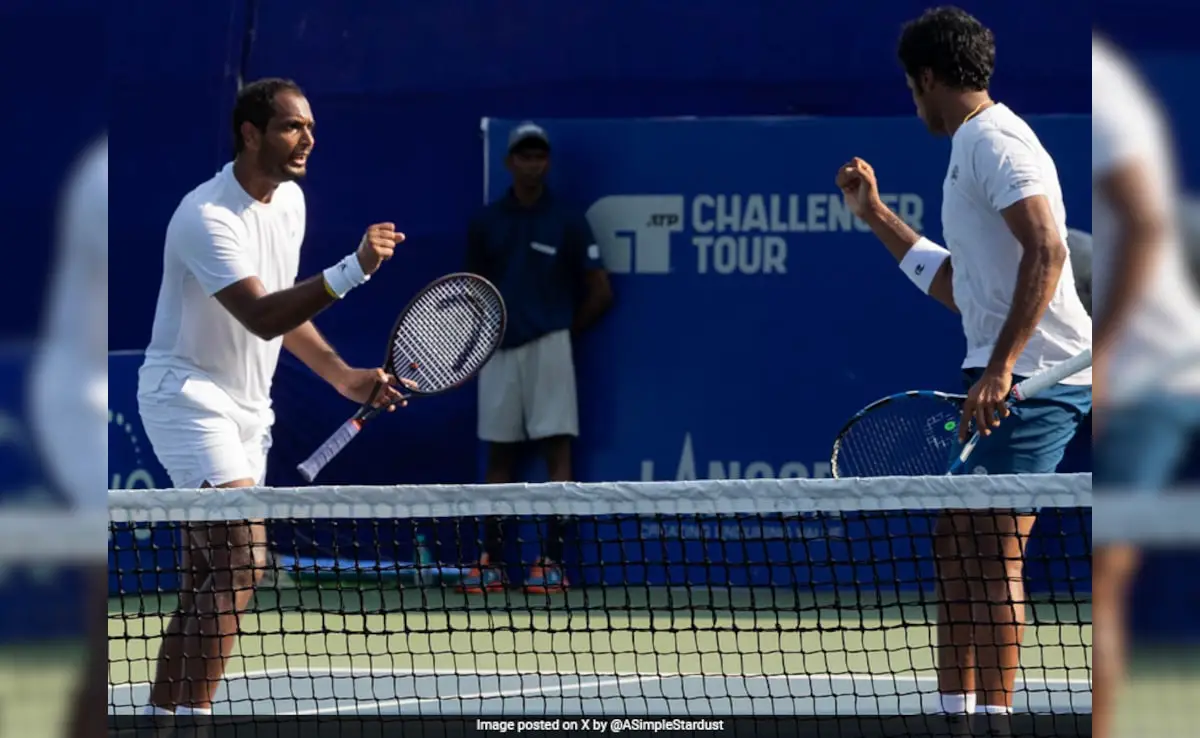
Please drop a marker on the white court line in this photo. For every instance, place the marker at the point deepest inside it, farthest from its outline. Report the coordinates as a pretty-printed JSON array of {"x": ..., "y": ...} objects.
[
  {"x": 607, "y": 681},
  {"x": 371, "y": 670},
  {"x": 598, "y": 680},
  {"x": 355, "y": 671},
  {"x": 917, "y": 677},
  {"x": 522, "y": 692},
  {"x": 615, "y": 679}
]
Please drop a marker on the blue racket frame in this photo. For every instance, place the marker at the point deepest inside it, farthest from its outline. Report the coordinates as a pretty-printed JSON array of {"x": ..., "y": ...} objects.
[
  {"x": 1027, "y": 389},
  {"x": 954, "y": 403}
]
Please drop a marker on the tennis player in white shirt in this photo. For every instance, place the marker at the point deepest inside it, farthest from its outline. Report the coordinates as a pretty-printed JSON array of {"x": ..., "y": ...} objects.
[
  {"x": 69, "y": 399},
  {"x": 1147, "y": 334},
  {"x": 1005, "y": 269},
  {"x": 229, "y": 301}
]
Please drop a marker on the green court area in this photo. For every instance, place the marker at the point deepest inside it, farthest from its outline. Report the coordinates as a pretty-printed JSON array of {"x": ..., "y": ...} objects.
[
  {"x": 37, "y": 684},
  {"x": 618, "y": 631},
  {"x": 1161, "y": 696}
]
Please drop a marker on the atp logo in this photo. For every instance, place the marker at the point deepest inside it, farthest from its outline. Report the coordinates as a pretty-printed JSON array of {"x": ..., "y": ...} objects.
[{"x": 634, "y": 231}]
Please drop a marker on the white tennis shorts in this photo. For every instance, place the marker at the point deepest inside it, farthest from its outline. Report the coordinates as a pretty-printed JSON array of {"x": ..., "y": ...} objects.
[
  {"x": 528, "y": 393},
  {"x": 199, "y": 434}
]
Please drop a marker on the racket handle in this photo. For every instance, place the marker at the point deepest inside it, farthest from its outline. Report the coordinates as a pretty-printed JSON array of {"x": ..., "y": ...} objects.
[
  {"x": 323, "y": 455},
  {"x": 961, "y": 460},
  {"x": 1043, "y": 381}
]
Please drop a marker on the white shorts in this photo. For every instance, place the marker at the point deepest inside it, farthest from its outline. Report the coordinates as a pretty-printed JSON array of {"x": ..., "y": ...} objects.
[
  {"x": 68, "y": 410},
  {"x": 199, "y": 434},
  {"x": 528, "y": 393}
]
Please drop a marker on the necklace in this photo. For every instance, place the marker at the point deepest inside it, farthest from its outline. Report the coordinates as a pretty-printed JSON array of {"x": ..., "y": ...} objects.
[{"x": 976, "y": 111}]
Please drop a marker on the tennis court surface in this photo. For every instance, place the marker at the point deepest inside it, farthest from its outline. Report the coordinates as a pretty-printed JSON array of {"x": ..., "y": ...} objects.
[
  {"x": 731, "y": 597},
  {"x": 457, "y": 654}
]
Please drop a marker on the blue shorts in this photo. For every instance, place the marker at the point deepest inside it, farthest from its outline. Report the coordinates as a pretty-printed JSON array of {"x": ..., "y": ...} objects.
[
  {"x": 1143, "y": 445},
  {"x": 1033, "y": 438}
]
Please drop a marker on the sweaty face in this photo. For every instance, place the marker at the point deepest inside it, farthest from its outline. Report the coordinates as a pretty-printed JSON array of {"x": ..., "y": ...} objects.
[
  {"x": 528, "y": 165},
  {"x": 287, "y": 142}
]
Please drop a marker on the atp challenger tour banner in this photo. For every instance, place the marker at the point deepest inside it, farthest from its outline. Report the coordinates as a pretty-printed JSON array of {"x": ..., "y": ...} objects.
[{"x": 754, "y": 313}]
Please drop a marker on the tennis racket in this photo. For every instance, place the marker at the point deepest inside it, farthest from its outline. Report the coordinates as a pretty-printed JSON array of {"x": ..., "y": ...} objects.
[
  {"x": 916, "y": 433},
  {"x": 442, "y": 338}
]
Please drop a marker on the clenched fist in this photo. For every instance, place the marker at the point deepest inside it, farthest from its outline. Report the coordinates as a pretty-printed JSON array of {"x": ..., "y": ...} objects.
[
  {"x": 377, "y": 246},
  {"x": 856, "y": 180}
]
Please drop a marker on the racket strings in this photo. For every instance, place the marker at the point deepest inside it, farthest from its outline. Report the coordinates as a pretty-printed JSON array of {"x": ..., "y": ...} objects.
[
  {"x": 909, "y": 437},
  {"x": 448, "y": 333}
]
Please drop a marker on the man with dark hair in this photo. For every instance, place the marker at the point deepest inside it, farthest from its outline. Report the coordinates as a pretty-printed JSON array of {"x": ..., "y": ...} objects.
[
  {"x": 228, "y": 302},
  {"x": 256, "y": 105},
  {"x": 542, "y": 256},
  {"x": 1005, "y": 268}
]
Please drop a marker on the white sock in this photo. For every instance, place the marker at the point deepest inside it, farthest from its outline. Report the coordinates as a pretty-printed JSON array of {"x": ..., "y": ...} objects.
[
  {"x": 997, "y": 710},
  {"x": 156, "y": 710},
  {"x": 181, "y": 710},
  {"x": 957, "y": 704}
]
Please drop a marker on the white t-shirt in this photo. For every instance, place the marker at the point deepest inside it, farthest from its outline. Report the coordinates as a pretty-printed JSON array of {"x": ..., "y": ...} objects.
[
  {"x": 220, "y": 235},
  {"x": 996, "y": 160},
  {"x": 1163, "y": 329}
]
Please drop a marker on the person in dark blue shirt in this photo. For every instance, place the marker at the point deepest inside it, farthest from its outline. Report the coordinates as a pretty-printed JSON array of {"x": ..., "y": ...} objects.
[{"x": 541, "y": 254}]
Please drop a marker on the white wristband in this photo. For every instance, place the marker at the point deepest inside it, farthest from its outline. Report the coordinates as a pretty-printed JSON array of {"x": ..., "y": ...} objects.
[
  {"x": 922, "y": 263},
  {"x": 344, "y": 276}
]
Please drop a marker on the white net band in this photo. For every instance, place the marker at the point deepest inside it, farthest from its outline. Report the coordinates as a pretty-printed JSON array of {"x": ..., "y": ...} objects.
[{"x": 699, "y": 497}]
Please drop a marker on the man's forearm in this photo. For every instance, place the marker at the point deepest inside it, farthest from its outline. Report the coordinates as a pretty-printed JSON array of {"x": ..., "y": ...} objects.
[
  {"x": 308, "y": 345},
  {"x": 897, "y": 237},
  {"x": 890, "y": 229},
  {"x": 1037, "y": 278},
  {"x": 278, "y": 313}
]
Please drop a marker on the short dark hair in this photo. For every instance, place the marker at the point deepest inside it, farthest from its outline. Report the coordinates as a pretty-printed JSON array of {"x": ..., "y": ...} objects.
[
  {"x": 951, "y": 43},
  {"x": 256, "y": 104}
]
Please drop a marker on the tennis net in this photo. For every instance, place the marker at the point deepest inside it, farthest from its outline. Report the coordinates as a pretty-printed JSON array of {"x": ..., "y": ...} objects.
[{"x": 697, "y": 598}]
